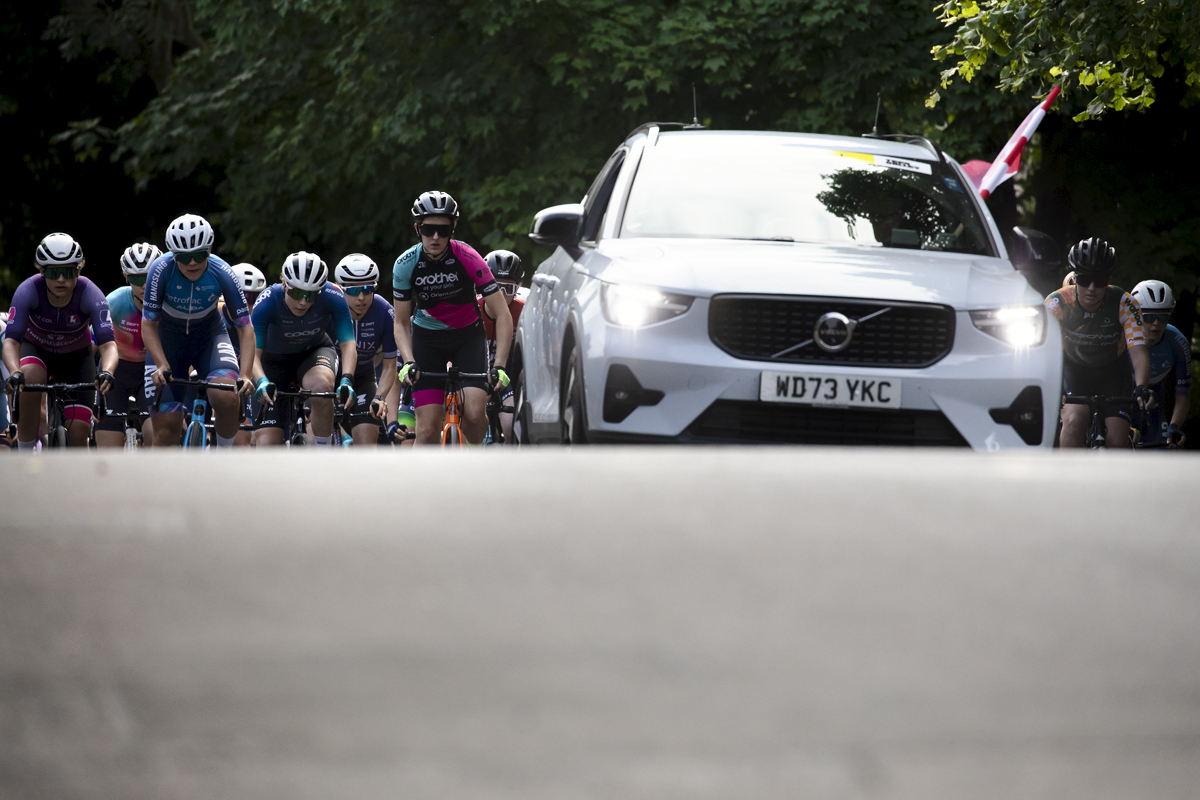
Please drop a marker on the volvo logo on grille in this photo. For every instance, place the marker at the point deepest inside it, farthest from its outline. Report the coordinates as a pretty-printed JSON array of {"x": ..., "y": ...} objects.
[{"x": 833, "y": 332}]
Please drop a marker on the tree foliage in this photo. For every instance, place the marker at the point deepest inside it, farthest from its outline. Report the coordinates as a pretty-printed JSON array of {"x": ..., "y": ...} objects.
[{"x": 1112, "y": 52}]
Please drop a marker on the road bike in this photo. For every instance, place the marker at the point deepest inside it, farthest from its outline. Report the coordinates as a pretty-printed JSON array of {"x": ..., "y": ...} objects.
[
  {"x": 198, "y": 434},
  {"x": 1097, "y": 432},
  {"x": 495, "y": 431},
  {"x": 292, "y": 415},
  {"x": 452, "y": 427},
  {"x": 59, "y": 395},
  {"x": 134, "y": 418}
]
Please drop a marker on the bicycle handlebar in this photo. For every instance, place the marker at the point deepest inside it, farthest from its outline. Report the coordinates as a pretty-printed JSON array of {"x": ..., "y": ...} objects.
[
  {"x": 471, "y": 375},
  {"x": 1098, "y": 399},
  {"x": 342, "y": 414},
  {"x": 52, "y": 388}
]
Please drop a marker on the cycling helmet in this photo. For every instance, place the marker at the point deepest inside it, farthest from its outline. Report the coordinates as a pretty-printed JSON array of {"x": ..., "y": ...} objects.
[
  {"x": 189, "y": 232},
  {"x": 434, "y": 204},
  {"x": 356, "y": 270},
  {"x": 58, "y": 249},
  {"x": 250, "y": 277},
  {"x": 137, "y": 258},
  {"x": 1092, "y": 256},
  {"x": 1154, "y": 296},
  {"x": 305, "y": 271},
  {"x": 505, "y": 265},
  {"x": 1069, "y": 280}
]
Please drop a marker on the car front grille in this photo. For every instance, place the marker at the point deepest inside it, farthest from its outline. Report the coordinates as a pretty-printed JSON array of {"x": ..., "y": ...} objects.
[
  {"x": 773, "y": 423},
  {"x": 763, "y": 327}
]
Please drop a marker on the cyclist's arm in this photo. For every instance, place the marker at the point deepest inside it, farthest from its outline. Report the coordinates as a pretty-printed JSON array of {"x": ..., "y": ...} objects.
[
  {"x": 498, "y": 310},
  {"x": 12, "y": 355},
  {"x": 349, "y": 351},
  {"x": 153, "y": 343},
  {"x": 1183, "y": 401},
  {"x": 108, "y": 357},
  {"x": 247, "y": 351},
  {"x": 1139, "y": 354},
  {"x": 258, "y": 373},
  {"x": 387, "y": 379},
  {"x": 402, "y": 329}
]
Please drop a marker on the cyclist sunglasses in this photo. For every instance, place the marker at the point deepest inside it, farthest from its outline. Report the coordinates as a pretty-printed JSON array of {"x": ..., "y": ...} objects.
[
  {"x": 1085, "y": 281},
  {"x": 68, "y": 272},
  {"x": 137, "y": 280},
  {"x": 355, "y": 291},
  {"x": 191, "y": 256},
  {"x": 1156, "y": 316},
  {"x": 436, "y": 230},
  {"x": 302, "y": 295}
]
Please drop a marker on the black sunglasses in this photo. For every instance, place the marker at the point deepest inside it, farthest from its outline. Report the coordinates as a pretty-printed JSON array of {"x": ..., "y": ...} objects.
[
  {"x": 191, "y": 256},
  {"x": 355, "y": 291},
  {"x": 137, "y": 280},
  {"x": 68, "y": 272},
  {"x": 1091, "y": 280},
  {"x": 436, "y": 230},
  {"x": 302, "y": 295},
  {"x": 1156, "y": 316}
]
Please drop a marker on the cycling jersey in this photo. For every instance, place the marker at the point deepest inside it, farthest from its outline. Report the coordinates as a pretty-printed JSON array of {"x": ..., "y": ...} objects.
[
  {"x": 278, "y": 330},
  {"x": 1097, "y": 338},
  {"x": 34, "y": 321},
  {"x": 188, "y": 306},
  {"x": 127, "y": 325},
  {"x": 489, "y": 325},
  {"x": 375, "y": 330},
  {"x": 443, "y": 291},
  {"x": 1173, "y": 352}
]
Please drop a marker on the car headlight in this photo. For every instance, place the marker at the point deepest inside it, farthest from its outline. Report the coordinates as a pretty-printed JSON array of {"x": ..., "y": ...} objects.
[
  {"x": 634, "y": 306},
  {"x": 1020, "y": 326}
]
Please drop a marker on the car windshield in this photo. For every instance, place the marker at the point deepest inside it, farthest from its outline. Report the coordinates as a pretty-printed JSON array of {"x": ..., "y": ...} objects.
[{"x": 784, "y": 191}]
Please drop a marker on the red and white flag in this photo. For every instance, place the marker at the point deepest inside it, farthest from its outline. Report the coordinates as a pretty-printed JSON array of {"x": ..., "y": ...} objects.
[{"x": 1009, "y": 160}]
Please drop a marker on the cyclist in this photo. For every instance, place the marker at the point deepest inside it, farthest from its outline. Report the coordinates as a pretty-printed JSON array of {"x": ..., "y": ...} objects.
[
  {"x": 296, "y": 323},
  {"x": 507, "y": 268},
  {"x": 1102, "y": 342},
  {"x": 434, "y": 284},
  {"x": 125, "y": 304},
  {"x": 6, "y": 442},
  {"x": 182, "y": 329},
  {"x": 47, "y": 339},
  {"x": 374, "y": 332},
  {"x": 252, "y": 282},
  {"x": 1170, "y": 351}
]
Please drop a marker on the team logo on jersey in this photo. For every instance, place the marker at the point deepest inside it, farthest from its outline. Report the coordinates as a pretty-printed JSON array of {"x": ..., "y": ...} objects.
[
  {"x": 72, "y": 319},
  {"x": 294, "y": 334},
  {"x": 436, "y": 278}
]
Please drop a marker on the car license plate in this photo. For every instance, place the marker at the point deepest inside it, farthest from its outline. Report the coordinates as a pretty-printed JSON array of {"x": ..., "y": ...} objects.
[{"x": 829, "y": 390}]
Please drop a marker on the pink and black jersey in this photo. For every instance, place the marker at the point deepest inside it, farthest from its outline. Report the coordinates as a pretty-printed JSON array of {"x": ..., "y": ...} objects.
[{"x": 443, "y": 291}]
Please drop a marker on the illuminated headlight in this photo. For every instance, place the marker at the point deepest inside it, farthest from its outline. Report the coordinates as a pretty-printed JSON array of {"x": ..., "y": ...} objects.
[
  {"x": 1021, "y": 326},
  {"x": 635, "y": 306}
]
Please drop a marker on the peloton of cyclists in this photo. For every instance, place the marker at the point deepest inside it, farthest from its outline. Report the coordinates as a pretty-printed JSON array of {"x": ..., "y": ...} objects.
[
  {"x": 182, "y": 330},
  {"x": 1169, "y": 352},
  {"x": 434, "y": 286},
  {"x": 296, "y": 323},
  {"x": 374, "y": 333},
  {"x": 1103, "y": 344},
  {"x": 47, "y": 339}
]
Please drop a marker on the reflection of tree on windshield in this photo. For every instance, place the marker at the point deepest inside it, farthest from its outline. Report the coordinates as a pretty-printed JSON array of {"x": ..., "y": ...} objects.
[{"x": 900, "y": 214}]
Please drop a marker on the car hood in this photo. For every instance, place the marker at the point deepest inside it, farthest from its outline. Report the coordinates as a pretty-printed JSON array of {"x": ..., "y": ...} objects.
[{"x": 706, "y": 267}]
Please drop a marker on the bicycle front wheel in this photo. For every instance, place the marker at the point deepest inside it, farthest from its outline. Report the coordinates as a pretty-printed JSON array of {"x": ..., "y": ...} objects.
[
  {"x": 195, "y": 437},
  {"x": 131, "y": 439},
  {"x": 451, "y": 435},
  {"x": 58, "y": 437}
]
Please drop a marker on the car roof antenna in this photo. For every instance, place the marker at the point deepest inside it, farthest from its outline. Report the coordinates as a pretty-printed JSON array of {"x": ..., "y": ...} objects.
[
  {"x": 695, "y": 126},
  {"x": 878, "y": 103}
]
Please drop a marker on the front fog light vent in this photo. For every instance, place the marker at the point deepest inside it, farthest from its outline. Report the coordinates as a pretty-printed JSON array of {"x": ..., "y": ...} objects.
[
  {"x": 623, "y": 394},
  {"x": 1024, "y": 415}
]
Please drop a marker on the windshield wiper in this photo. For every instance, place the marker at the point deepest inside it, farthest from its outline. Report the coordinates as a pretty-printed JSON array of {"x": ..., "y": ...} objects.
[{"x": 765, "y": 238}]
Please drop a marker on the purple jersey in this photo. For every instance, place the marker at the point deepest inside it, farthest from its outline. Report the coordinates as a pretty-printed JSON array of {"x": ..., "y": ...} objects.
[
  {"x": 59, "y": 330},
  {"x": 376, "y": 331}
]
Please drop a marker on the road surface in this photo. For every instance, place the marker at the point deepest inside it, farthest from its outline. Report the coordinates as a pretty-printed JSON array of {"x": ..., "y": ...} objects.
[{"x": 600, "y": 623}]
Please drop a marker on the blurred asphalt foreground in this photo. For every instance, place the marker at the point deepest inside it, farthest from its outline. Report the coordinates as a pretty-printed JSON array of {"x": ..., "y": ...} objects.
[{"x": 600, "y": 623}]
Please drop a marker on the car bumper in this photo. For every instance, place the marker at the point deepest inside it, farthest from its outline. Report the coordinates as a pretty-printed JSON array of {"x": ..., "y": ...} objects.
[{"x": 708, "y": 395}]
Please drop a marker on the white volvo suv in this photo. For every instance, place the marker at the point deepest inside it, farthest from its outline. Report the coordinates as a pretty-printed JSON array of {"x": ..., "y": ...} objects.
[{"x": 719, "y": 286}]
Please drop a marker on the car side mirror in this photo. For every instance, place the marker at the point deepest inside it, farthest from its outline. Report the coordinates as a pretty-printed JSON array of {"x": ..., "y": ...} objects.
[
  {"x": 1037, "y": 257},
  {"x": 558, "y": 226}
]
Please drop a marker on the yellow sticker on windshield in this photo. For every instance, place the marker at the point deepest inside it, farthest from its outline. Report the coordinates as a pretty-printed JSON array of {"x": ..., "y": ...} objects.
[
  {"x": 907, "y": 164},
  {"x": 867, "y": 157}
]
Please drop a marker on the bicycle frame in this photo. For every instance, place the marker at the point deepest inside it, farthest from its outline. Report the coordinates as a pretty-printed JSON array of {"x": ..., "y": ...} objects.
[
  {"x": 195, "y": 435},
  {"x": 452, "y": 427},
  {"x": 134, "y": 419},
  {"x": 57, "y": 396},
  {"x": 295, "y": 415},
  {"x": 1097, "y": 431}
]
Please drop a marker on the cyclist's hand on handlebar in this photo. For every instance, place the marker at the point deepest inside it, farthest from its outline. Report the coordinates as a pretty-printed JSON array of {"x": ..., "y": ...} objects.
[
  {"x": 265, "y": 392},
  {"x": 244, "y": 387},
  {"x": 104, "y": 381},
  {"x": 15, "y": 380},
  {"x": 1144, "y": 397},
  {"x": 396, "y": 432},
  {"x": 345, "y": 391},
  {"x": 1175, "y": 437},
  {"x": 161, "y": 376},
  {"x": 497, "y": 376},
  {"x": 409, "y": 374},
  {"x": 378, "y": 409}
]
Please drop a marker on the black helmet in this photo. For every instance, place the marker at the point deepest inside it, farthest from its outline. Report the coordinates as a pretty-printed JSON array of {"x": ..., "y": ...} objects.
[
  {"x": 434, "y": 204},
  {"x": 1092, "y": 256},
  {"x": 506, "y": 265}
]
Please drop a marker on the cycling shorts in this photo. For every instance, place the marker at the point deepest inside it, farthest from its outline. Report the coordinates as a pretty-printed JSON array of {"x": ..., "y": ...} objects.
[
  {"x": 211, "y": 355},
  {"x": 465, "y": 347},
  {"x": 1114, "y": 380},
  {"x": 78, "y": 366},
  {"x": 364, "y": 392},
  {"x": 130, "y": 380},
  {"x": 287, "y": 371}
]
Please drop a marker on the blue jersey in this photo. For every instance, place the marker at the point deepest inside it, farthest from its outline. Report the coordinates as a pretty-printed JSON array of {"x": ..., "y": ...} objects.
[
  {"x": 376, "y": 331},
  {"x": 278, "y": 330},
  {"x": 187, "y": 306},
  {"x": 1173, "y": 352}
]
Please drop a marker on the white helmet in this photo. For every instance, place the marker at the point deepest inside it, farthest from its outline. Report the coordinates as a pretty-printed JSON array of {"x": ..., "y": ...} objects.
[
  {"x": 58, "y": 249},
  {"x": 137, "y": 258},
  {"x": 356, "y": 270},
  {"x": 189, "y": 232},
  {"x": 305, "y": 271},
  {"x": 1154, "y": 296},
  {"x": 250, "y": 277}
]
